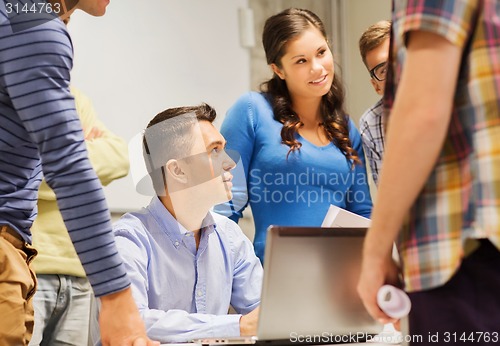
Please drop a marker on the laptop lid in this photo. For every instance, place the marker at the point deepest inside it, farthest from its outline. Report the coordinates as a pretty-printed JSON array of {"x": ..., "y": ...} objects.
[{"x": 309, "y": 286}]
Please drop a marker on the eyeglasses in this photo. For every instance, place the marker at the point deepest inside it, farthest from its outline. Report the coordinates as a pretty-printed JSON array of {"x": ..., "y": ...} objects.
[{"x": 379, "y": 72}]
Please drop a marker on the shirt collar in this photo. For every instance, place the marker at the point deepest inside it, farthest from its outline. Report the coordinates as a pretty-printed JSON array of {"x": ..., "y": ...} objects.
[{"x": 169, "y": 225}]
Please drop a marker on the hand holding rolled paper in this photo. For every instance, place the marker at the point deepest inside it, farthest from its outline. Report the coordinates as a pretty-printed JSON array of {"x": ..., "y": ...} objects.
[{"x": 393, "y": 301}]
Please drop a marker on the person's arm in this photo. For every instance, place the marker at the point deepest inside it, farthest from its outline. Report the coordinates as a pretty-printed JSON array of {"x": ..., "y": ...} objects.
[
  {"x": 250, "y": 322},
  {"x": 180, "y": 326},
  {"x": 358, "y": 198},
  {"x": 107, "y": 152},
  {"x": 239, "y": 131},
  {"x": 173, "y": 325},
  {"x": 418, "y": 125},
  {"x": 47, "y": 111},
  {"x": 48, "y": 114},
  {"x": 247, "y": 279}
]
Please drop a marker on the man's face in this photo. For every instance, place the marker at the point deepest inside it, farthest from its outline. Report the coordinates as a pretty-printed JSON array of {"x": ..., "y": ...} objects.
[
  {"x": 207, "y": 169},
  {"x": 93, "y": 7},
  {"x": 374, "y": 58}
]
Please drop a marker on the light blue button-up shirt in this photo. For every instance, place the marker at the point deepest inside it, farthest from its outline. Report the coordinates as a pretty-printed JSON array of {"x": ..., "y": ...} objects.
[{"x": 184, "y": 293}]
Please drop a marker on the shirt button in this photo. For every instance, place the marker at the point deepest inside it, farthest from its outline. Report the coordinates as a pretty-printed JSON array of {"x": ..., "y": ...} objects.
[
  {"x": 199, "y": 293},
  {"x": 176, "y": 244}
]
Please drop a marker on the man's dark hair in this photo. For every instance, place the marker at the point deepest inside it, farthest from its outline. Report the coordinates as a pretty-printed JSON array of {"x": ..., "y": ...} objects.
[{"x": 169, "y": 136}]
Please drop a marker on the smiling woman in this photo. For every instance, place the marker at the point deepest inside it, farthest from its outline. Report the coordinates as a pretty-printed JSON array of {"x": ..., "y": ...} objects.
[
  {"x": 307, "y": 96},
  {"x": 297, "y": 124}
]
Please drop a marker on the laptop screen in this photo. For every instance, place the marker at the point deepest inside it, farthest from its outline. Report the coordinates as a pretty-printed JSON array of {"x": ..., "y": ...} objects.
[{"x": 309, "y": 287}]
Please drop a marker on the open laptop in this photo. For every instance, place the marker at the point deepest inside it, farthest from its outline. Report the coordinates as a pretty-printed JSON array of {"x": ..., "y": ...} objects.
[{"x": 309, "y": 289}]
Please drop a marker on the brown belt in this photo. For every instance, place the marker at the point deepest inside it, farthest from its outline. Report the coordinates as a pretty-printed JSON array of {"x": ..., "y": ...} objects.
[{"x": 12, "y": 236}]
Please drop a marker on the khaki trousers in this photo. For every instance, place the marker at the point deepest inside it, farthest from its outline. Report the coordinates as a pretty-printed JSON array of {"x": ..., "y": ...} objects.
[{"x": 17, "y": 287}]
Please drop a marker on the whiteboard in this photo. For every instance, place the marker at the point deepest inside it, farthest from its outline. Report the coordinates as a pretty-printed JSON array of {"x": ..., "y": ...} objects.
[{"x": 145, "y": 56}]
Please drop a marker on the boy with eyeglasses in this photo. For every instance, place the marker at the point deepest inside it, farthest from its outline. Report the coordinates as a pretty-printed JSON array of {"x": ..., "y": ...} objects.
[{"x": 374, "y": 49}]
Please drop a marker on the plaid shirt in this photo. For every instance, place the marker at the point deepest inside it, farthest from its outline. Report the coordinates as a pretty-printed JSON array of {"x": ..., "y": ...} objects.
[
  {"x": 371, "y": 126},
  {"x": 461, "y": 198}
]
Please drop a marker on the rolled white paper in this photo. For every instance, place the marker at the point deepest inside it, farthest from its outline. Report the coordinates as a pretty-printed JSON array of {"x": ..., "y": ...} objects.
[{"x": 393, "y": 301}]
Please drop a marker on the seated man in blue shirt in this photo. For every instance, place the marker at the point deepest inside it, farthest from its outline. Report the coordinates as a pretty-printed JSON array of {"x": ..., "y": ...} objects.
[{"x": 187, "y": 264}]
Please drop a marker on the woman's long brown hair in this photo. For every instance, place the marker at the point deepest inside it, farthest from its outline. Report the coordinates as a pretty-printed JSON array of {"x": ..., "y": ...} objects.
[{"x": 278, "y": 31}]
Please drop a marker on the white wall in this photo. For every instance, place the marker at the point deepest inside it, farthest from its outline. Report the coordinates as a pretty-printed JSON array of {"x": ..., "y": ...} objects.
[{"x": 139, "y": 60}]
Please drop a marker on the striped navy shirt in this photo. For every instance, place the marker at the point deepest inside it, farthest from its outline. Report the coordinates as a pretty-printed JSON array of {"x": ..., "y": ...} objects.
[{"x": 40, "y": 130}]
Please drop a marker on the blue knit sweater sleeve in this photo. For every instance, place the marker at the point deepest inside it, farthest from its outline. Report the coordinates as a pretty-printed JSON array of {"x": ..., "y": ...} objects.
[{"x": 238, "y": 129}]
